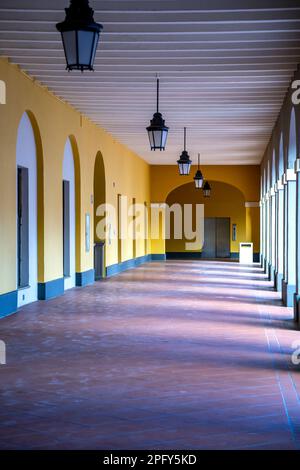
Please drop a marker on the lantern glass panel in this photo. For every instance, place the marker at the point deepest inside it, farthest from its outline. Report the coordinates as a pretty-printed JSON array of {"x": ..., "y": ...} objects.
[
  {"x": 151, "y": 138},
  {"x": 198, "y": 183},
  {"x": 184, "y": 168},
  {"x": 157, "y": 138},
  {"x": 164, "y": 138},
  {"x": 96, "y": 40},
  {"x": 70, "y": 46},
  {"x": 85, "y": 47}
]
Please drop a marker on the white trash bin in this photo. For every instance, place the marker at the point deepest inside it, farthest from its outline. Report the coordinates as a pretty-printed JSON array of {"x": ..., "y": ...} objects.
[{"x": 246, "y": 253}]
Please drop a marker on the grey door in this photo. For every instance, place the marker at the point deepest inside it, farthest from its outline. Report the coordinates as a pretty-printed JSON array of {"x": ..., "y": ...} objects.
[
  {"x": 66, "y": 228},
  {"x": 23, "y": 227},
  {"x": 99, "y": 260},
  {"x": 209, "y": 247},
  {"x": 222, "y": 238},
  {"x": 216, "y": 237}
]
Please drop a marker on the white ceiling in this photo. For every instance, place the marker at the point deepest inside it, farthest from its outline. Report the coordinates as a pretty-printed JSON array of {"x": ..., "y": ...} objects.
[{"x": 224, "y": 65}]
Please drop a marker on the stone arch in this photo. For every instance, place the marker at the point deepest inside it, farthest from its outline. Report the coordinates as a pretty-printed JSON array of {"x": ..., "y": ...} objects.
[
  {"x": 226, "y": 201},
  {"x": 99, "y": 190},
  {"x": 30, "y": 238}
]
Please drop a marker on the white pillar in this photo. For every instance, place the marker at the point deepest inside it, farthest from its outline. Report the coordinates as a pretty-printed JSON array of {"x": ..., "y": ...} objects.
[
  {"x": 261, "y": 206},
  {"x": 297, "y": 296},
  {"x": 272, "y": 223},
  {"x": 289, "y": 283},
  {"x": 279, "y": 235}
]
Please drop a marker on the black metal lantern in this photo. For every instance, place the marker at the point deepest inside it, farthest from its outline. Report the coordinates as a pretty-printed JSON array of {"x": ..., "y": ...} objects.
[
  {"x": 206, "y": 189},
  {"x": 157, "y": 131},
  {"x": 184, "y": 162},
  {"x": 80, "y": 35},
  {"x": 198, "y": 178}
]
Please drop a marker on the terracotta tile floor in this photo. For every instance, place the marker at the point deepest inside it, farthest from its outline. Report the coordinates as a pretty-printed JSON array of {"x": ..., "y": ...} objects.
[{"x": 171, "y": 355}]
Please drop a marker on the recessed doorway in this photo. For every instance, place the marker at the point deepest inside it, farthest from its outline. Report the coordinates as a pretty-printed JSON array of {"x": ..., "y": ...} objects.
[{"x": 216, "y": 237}]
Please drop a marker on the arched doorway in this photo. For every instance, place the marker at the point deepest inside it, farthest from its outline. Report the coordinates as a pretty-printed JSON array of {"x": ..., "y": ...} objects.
[
  {"x": 100, "y": 235},
  {"x": 69, "y": 217},
  {"x": 224, "y": 221},
  {"x": 27, "y": 209}
]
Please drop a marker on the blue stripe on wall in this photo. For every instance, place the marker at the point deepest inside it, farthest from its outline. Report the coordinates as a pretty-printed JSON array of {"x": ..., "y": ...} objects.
[
  {"x": 85, "y": 278},
  {"x": 132, "y": 263},
  {"x": 158, "y": 257},
  {"x": 8, "y": 303},
  {"x": 51, "y": 289},
  {"x": 198, "y": 255},
  {"x": 184, "y": 255}
]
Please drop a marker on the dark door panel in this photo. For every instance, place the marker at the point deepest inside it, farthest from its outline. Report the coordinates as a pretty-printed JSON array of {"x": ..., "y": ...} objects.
[
  {"x": 216, "y": 237},
  {"x": 23, "y": 227},
  {"x": 66, "y": 228},
  {"x": 209, "y": 247},
  {"x": 222, "y": 238}
]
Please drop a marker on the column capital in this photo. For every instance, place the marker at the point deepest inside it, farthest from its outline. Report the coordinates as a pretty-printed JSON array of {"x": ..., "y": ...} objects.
[
  {"x": 297, "y": 165},
  {"x": 252, "y": 204},
  {"x": 289, "y": 175},
  {"x": 279, "y": 185}
]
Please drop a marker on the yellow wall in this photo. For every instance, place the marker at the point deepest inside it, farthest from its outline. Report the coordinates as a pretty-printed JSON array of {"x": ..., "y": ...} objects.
[
  {"x": 246, "y": 178},
  {"x": 56, "y": 121},
  {"x": 125, "y": 173},
  {"x": 244, "y": 182},
  {"x": 225, "y": 201}
]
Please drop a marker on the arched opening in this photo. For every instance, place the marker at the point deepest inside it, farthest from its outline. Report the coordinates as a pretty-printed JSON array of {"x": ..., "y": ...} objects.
[
  {"x": 289, "y": 284},
  {"x": 30, "y": 209},
  {"x": 100, "y": 234},
  {"x": 280, "y": 220},
  {"x": 69, "y": 217},
  {"x": 224, "y": 221}
]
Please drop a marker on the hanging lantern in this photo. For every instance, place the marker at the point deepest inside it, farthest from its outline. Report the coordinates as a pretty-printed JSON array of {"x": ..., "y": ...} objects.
[
  {"x": 198, "y": 178},
  {"x": 184, "y": 162},
  {"x": 157, "y": 131},
  {"x": 206, "y": 189},
  {"x": 80, "y": 35}
]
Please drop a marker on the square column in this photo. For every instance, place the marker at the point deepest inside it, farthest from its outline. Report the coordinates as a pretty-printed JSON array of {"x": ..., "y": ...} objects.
[
  {"x": 279, "y": 203},
  {"x": 267, "y": 233},
  {"x": 272, "y": 235},
  {"x": 261, "y": 206},
  {"x": 289, "y": 280},
  {"x": 297, "y": 294}
]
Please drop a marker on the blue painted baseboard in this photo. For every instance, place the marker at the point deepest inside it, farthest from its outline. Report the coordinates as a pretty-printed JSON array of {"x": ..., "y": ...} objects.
[
  {"x": 129, "y": 264},
  {"x": 184, "y": 255},
  {"x": 132, "y": 263},
  {"x": 85, "y": 278},
  {"x": 51, "y": 289},
  {"x": 158, "y": 257},
  {"x": 8, "y": 303},
  {"x": 198, "y": 255}
]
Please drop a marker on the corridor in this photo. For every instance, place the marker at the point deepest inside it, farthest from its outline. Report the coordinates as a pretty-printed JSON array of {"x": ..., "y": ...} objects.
[{"x": 181, "y": 354}]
